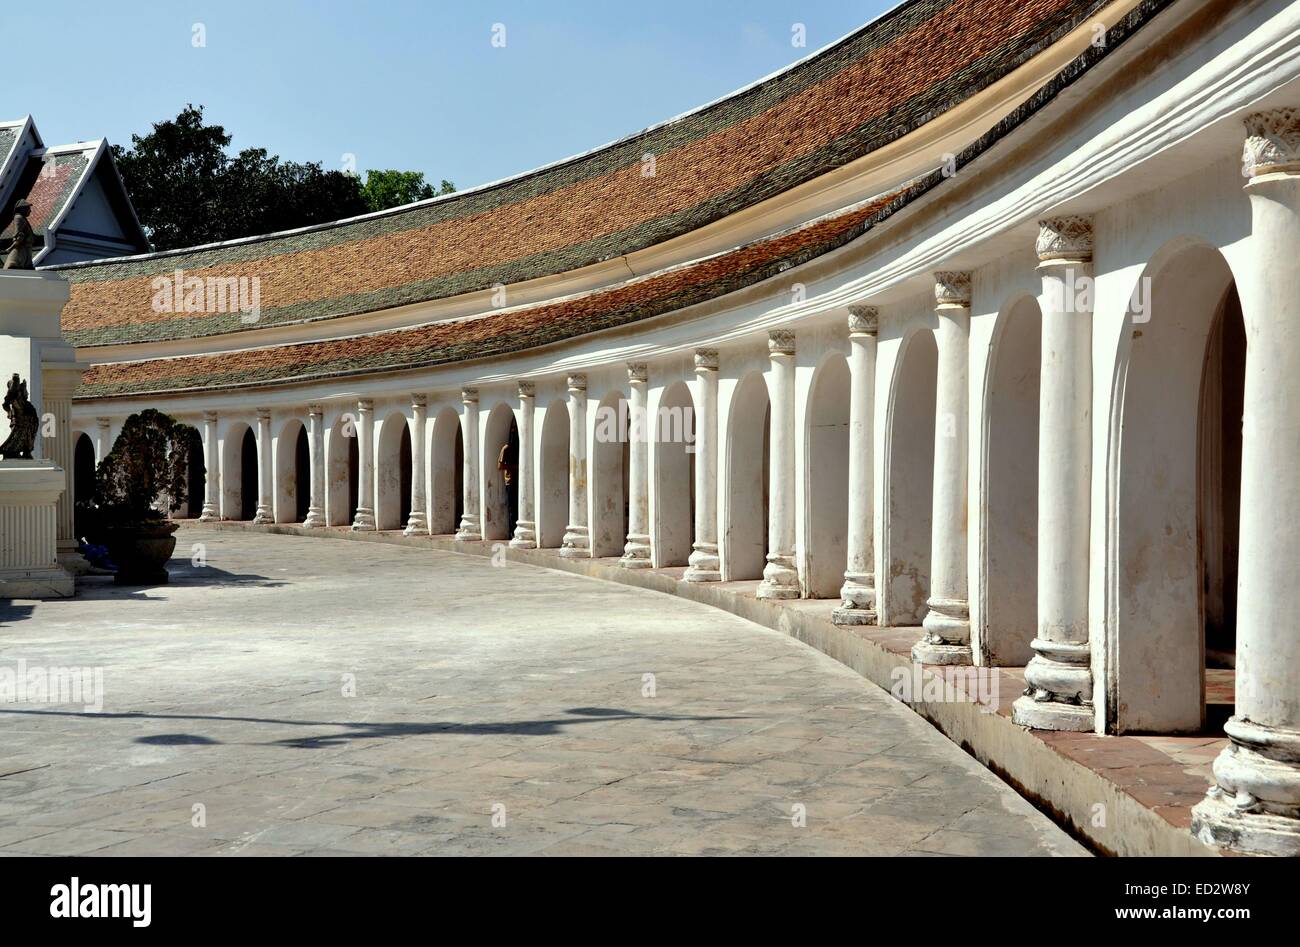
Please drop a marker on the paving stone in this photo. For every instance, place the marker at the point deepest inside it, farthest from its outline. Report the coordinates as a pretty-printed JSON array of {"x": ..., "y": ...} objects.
[{"x": 382, "y": 700}]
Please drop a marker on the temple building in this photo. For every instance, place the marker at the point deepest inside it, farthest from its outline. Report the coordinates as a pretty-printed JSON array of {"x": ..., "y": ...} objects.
[
  {"x": 80, "y": 209},
  {"x": 981, "y": 324}
]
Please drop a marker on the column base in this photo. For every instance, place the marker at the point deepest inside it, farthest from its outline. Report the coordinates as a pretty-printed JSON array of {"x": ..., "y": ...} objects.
[
  {"x": 857, "y": 600},
  {"x": 468, "y": 531},
  {"x": 525, "y": 535},
  {"x": 576, "y": 544},
  {"x": 780, "y": 579},
  {"x": 636, "y": 554},
  {"x": 263, "y": 517},
  {"x": 415, "y": 525},
  {"x": 210, "y": 514},
  {"x": 1052, "y": 715},
  {"x": 315, "y": 518},
  {"x": 1217, "y": 821},
  {"x": 365, "y": 519},
  {"x": 1254, "y": 806},
  {"x": 853, "y": 615},
  {"x": 704, "y": 564},
  {"x": 947, "y": 634},
  {"x": 1058, "y": 675}
]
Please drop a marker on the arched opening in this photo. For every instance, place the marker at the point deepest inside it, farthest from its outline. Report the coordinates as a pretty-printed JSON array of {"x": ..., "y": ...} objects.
[
  {"x": 1175, "y": 470},
  {"x": 341, "y": 471},
  {"x": 1009, "y": 572},
  {"x": 673, "y": 441},
  {"x": 744, "y": 536},
  {"x": 827, "y": 480},
  {"x": 609, "y": 480},
  {"x": 909, "y": 482},
  {"x": 301, "y": 475},
  {"x": 195, "y": 473},
  {"x": 83, "y": 478},
  {"x": 233, "y": 470},
  {"x": 248, "y": 476},
  {"x": 500, "y": 474},
  {"x": 447, "y": 473},
  {"x": 292, "y": 473},
  {"x": 393, "y": 475},
  {"x": 553, "y": 476}
]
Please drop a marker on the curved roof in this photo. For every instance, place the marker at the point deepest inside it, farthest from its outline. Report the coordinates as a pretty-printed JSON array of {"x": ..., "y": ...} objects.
[{"x": 874, "y": 86}]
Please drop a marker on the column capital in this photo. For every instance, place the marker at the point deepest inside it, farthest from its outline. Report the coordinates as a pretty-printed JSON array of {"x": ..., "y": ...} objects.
[
  {"x": 864, "y": 320},
  {"x": 527, "y": 389},
  {"x": 419, "y": 399},
  {"x": 638, "y": 372},
  {"x": 577, "y": 382},
  {"x": 316, "y": 408},
  {"x": 263, "y": 414},
  {"x": 365, "y": 404},
  {"x": 780, "y": 342},
  {"x": 209, "y": 416},
  {"x": 469, "y": 395},
  {"x": 706, "y": 360},
  {"x": 952, "y": 288},
  {"x": 1272, "y": 142},
  {"x": 1065, "y": 238}
]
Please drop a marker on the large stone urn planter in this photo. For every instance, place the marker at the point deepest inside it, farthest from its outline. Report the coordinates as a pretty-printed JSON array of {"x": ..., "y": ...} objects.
[{"x": 141, "y": 552}]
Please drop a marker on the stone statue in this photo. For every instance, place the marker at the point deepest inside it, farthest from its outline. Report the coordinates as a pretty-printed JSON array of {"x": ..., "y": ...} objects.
[
  {"x": 23, "y": 422},
  {"x": 20, "y": 251}
]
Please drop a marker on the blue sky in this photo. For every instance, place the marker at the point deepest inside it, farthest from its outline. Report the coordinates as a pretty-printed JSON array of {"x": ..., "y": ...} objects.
[{"x": 399, "y": 83}]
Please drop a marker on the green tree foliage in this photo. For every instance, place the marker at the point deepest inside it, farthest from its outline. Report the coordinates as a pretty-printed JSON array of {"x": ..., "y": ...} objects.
[
  {"x": 188, "y": 189},
  {"x": 384, "y": 189}
]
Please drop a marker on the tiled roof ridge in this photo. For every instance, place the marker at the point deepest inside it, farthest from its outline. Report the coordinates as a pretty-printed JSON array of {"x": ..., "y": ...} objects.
[
  {"x": 114, "y": 379},
  {"x": 884, "y": 80},
  {"x": 763, "y": 82}
]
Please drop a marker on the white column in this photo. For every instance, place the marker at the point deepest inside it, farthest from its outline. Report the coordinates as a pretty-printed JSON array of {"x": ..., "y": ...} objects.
[
  {"x": 704, "y": 563},
  {"x": 1254, "y": 805},
  {"x": 1058, "y": 695},
  {"x": 263, "y": 515},
  {"x": 947, "y": 624},
  {"x": 58, "y": 385},
  {"x": 365, "y": 518},
  {"x": 469, "y": 530},
  {"x": 577, "y": 542},
  {"x": 211, "y": 481},
  {"x": 417, "y": 524},
  {"x": 316, "y": 463},
  {"x": 103, "y": 444},
  {"x": 858, "y": 594},
  {"x": 780, "y": 578},
  {"x": 636, "y": 553},
  {"x": 526, "y": 528}
]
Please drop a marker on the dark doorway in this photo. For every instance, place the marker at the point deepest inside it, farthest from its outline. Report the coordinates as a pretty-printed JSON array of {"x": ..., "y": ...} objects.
[{"x": 248, "y": 476}]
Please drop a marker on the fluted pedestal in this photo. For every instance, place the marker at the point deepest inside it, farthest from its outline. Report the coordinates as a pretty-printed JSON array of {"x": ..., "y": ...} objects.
[{"x": 29, "y": 496}]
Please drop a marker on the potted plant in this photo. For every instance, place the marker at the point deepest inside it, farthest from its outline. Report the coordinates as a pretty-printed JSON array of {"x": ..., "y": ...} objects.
[{"x": 143, "y": 476}]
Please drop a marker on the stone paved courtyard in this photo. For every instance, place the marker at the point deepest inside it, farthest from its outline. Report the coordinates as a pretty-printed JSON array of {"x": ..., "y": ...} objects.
[{"x": 321, "y": 696}]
